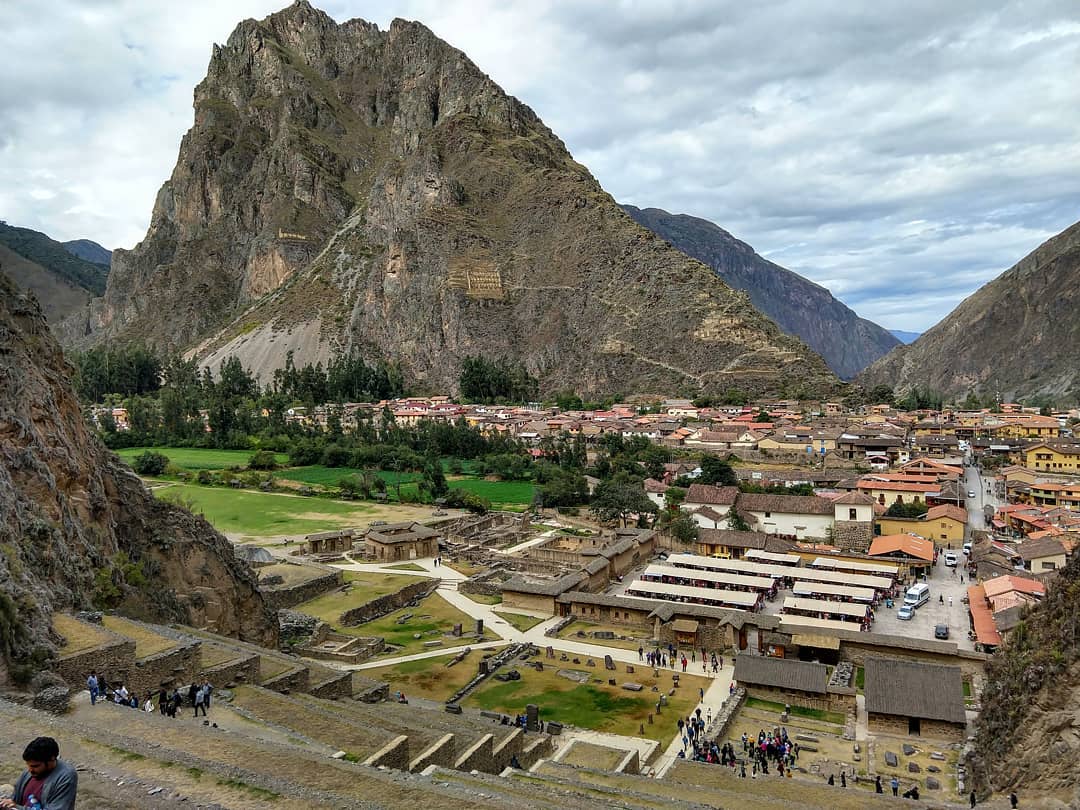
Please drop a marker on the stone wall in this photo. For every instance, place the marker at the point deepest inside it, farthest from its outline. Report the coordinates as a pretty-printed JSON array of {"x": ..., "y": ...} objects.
[
  {"x": 541, "y": 746},
  {"x": 897, "y": 726},
  {"x": 395, "y": 755},
  {"x": 544, "y": 603},
  {"x": 175, "y": 667},
  {"x": 334, "y": 687},
  {"x": 293, "y": 680},
  {"x": 377, "y": 608},
  {"x": 830, "y": 702},
  {"x": 278, "y": 598},
  {"x": 478, "y": 756},
  {"x": 442, "y": 752},
  {"x": 853, "y": 535},
  {"x": 244, "y": 669},
  {"x": 113, "y": 660},
  {"x": 509, "y": 747},
  {"x": 972, "y": 664}
]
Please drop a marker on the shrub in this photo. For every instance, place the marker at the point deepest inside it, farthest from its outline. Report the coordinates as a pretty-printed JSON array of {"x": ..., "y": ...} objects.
[
  {"x": 263, "y": 460},
  {"x": 150, "y": 463}
]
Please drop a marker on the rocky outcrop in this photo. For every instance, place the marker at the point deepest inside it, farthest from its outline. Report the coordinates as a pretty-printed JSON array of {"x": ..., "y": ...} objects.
[
  {"x": 346, "y": 189},
  {"x": 77, "y": 526},
  {"x": 1017, "y": 336},
  {"x": 1028, "y": 733},
  {"x": 799, "y": 306}
]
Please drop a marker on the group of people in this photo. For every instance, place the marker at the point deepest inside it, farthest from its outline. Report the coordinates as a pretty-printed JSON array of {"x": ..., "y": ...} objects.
[
  {"x": 692, "y": 732},
  {"x": 168, "y": 703},
  {"x": 661, "y": 659}
]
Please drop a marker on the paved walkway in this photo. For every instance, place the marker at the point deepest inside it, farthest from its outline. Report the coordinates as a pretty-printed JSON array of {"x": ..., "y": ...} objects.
[{"x": 715, "y": 695}]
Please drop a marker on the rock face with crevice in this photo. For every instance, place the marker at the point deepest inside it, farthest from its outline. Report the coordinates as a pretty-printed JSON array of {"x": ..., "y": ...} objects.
[
  {"x": 76, "y": 525},
  {"x": 347, "y": 188}
]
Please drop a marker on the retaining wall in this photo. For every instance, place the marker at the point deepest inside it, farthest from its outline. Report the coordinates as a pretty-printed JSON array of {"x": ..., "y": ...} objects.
[
  {"x": 378, "y": 608},
  {"x": 442, "y": 752},
  {"x": 395, "y": 755},
  {"x": 278, "y": 598}
]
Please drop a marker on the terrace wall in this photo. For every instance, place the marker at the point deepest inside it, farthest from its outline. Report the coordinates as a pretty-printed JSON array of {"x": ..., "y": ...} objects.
[
  {"x": 286, "y": 597},
  {"x": 377, "y": 608}
]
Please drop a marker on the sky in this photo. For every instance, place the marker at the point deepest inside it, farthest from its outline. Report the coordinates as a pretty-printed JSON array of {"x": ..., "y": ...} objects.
[{"x": 900, "y": 154}]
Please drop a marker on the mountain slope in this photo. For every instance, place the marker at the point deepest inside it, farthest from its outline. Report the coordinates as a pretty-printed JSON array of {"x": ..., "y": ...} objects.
[
  {"x": 58, "y": 296},
  {"x": 350, "y": 189},
  {"x": 89, "y": 250},
  {"x": 54, "y": 257},
  {"x": 76, "y": 525},
  {"x": 799, "y": 306},
  {"x": 905, "y": 337},
  {"x": 1016, "y": 336}
]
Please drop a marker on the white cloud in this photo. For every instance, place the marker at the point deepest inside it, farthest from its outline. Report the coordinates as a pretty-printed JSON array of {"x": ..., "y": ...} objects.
[{"x": 901, "y": 155}]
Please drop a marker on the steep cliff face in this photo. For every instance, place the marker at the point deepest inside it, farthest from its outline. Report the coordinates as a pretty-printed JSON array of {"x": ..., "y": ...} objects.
[
  {"x": 345, "y": 188},
  {"x": 76, "y": 524},
  {"x": 799, "y": 306},
  {"x": 1028, "y": 733},
  {"x": 1017, "y": 336}
]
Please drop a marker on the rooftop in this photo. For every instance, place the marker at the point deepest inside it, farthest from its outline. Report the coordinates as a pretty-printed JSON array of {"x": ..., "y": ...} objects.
[
  {"x": 910, "y": 688},
  {"x": 782, "y": 673}
]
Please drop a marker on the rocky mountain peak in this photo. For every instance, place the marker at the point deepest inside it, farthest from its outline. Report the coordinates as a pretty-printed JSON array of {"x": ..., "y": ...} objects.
[{"x": 345, "y": 189}]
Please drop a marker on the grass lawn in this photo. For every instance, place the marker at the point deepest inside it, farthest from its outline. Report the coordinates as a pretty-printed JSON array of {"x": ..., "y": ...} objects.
[
  {"x": 433, "y": 619},
  {"x": 593, "y": 705},
  {"x": 835, "y": 718},
  {"x": 484, "y": 599},
  {"x": 199, "y": 458},
  {"x": 259, "y": 514},
  {"x": 407, "y": 567},
  {"x": 514, "y": 496},
  {"x": 571, "y": 632},
  {"x": 860, "y": 678},
  {"x": 78, "y": 636},
  {"x": 146, "y": 641},
  {"x": 429, "y": 677},
  {"x": 362, "y": 588},
  {"x": 329, "y": 476},
  {"x": 519, "y": 621}
]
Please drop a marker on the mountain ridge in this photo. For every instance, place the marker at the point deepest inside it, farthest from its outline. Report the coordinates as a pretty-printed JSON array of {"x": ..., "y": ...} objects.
[
  {"x": 349, "y": 189},
  {"x": 1016, "y": 336},
  {"x": 800, "y": 307},
  {"x": 89, "y": 250}
]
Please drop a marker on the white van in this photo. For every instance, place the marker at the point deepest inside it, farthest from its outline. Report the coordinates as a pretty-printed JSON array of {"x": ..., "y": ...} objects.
[{"x": 917, "y": 595}]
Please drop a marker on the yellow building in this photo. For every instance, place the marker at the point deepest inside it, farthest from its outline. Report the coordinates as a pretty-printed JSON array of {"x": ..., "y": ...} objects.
[
  {"x": 943, "y": 524},
  {"x": 1053, "y": 457},
  {"x": 1027, "y": 426}
]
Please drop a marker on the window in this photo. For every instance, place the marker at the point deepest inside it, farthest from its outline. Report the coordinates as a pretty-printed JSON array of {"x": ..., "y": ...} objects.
[
  {"x": 1048, "y": 565},
  {"x": 768, "y": 514},
  {"x": 852, "y": 514}
]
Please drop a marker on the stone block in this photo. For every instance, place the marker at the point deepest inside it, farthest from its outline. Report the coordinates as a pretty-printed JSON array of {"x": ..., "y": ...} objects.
[
  {"x": 554, "y": 728},
  {"x": 940, "y": 757},
  {"x": 453, "y": 708},
  {"x": 608, "y": 662},
  {"x": 932, "y": 783},
  {"x": 913, "y": 767},
  {"x": 805, "y": 738},
  {"x": 632, "y": 687},
  {"x": 908, "y": 749},
  {"x": 891, "y": 759},
  {"x": 933, "y": 769}
]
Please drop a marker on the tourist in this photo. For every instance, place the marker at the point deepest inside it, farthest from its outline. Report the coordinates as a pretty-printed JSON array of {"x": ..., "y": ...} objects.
[
  {"x": 972, "y": 799},
  {"x": 950, "y": 602},
  {"x": 843, "y": 779},
  {"x": 51, "y": 781},
  {"x": 209, "y": 691},
  {"x": 832, "y": 780},
  {"x": 640, "y": 653},
  {"x": 200, "y": 701},
  {"x": 163, "y": 701},
  {"x": 877, "y": 784},
  {"x": 894, "y": 783},
  {"x": 701, "y": 695},
  {"x": 193, "y": 690},
  {"x": 92, "y": 685},
  {"x": 1013, "y": 800},
  {"x": 149, "y": 706}
]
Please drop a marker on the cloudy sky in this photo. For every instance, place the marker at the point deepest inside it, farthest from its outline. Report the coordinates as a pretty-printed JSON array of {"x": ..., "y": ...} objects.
[{"x": 900, "y": 156}]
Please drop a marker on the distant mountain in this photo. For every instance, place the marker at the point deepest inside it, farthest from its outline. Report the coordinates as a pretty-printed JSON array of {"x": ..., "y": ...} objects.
[
  {"x": 89, "y": 250},
  {"x": 348, "y": 189},
  {"x": 905, "y": 337},
  {"x": 58, "y": 296},
  {"x": 799, "y": 306},
  {"x": 55, "y": 258},
  {"x": 1017, "y": 336}
]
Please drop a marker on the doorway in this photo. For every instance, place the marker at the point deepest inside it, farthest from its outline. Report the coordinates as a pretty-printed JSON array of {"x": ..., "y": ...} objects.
[{"x": 914, "y": 726}]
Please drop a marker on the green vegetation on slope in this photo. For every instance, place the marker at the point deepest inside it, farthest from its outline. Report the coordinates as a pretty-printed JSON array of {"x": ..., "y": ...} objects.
[{"x": 37, "y": 247}]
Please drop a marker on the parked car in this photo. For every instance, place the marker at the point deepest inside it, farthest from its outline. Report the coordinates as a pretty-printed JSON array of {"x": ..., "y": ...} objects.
[
  {"x": 971, "y": 493},
  {"x": 905, "y": 613},
  {"x": 941, "y": 631},
  {"x": 967, "y": 547},
  {"x": 951, "y": 559}
]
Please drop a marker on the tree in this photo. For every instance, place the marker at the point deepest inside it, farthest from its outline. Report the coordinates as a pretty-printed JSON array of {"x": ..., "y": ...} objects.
[
  {"x": 434, "y": 481},
  {"x": 150, "y": 463},
  {"x": 907, "y": 510},
  {"x": 736, "y": 522},
  {"x": 619, "y": 498},
  {"x": 684, "y": 528},
  {"x": 718, "y": 472},
  {"x": 263, "y": 460},
  {"x": 674, "y": 496},
  {"x": 881, "y": 394}
]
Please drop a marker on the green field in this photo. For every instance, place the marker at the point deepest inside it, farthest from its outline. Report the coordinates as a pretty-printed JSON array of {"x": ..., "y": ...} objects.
[
  {"x": 329, "y": 476},
  {"x": 512, "y": 495},
  {"x": 198, "y": 458},
  {"x": 258, "y": 514},
  {"x": 432, "y": 614}
]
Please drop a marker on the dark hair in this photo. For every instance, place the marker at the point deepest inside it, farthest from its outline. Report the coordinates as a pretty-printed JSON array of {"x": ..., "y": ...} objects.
[{"x": 41, "y": 750}]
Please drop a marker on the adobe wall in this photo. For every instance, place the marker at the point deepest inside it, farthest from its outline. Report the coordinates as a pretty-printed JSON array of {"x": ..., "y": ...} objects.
[
  {"x": 278, "y": 598},
  {"x": 529, "y": 601},
  {"x": 388, "y": 603},
  {"x": 602, "y": 614},
  {"x": 897, "y": 726}
]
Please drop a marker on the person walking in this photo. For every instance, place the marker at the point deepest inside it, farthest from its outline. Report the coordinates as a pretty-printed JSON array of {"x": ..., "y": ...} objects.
[
  {"x": 50, "y": 780},
  {"x": 209, "y": 689},
  {"x": 1013, "y": 800},
  {"x": 972, "y": 799},
  {"x": 843, "y": 779},
  {"x": 200, "y": 702},
  {"x": 92, "y": 685},
  {"x": 894, "y": 783},
  {"x": 192, "y": 691},
  {"x": 877, "y": 785}
]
